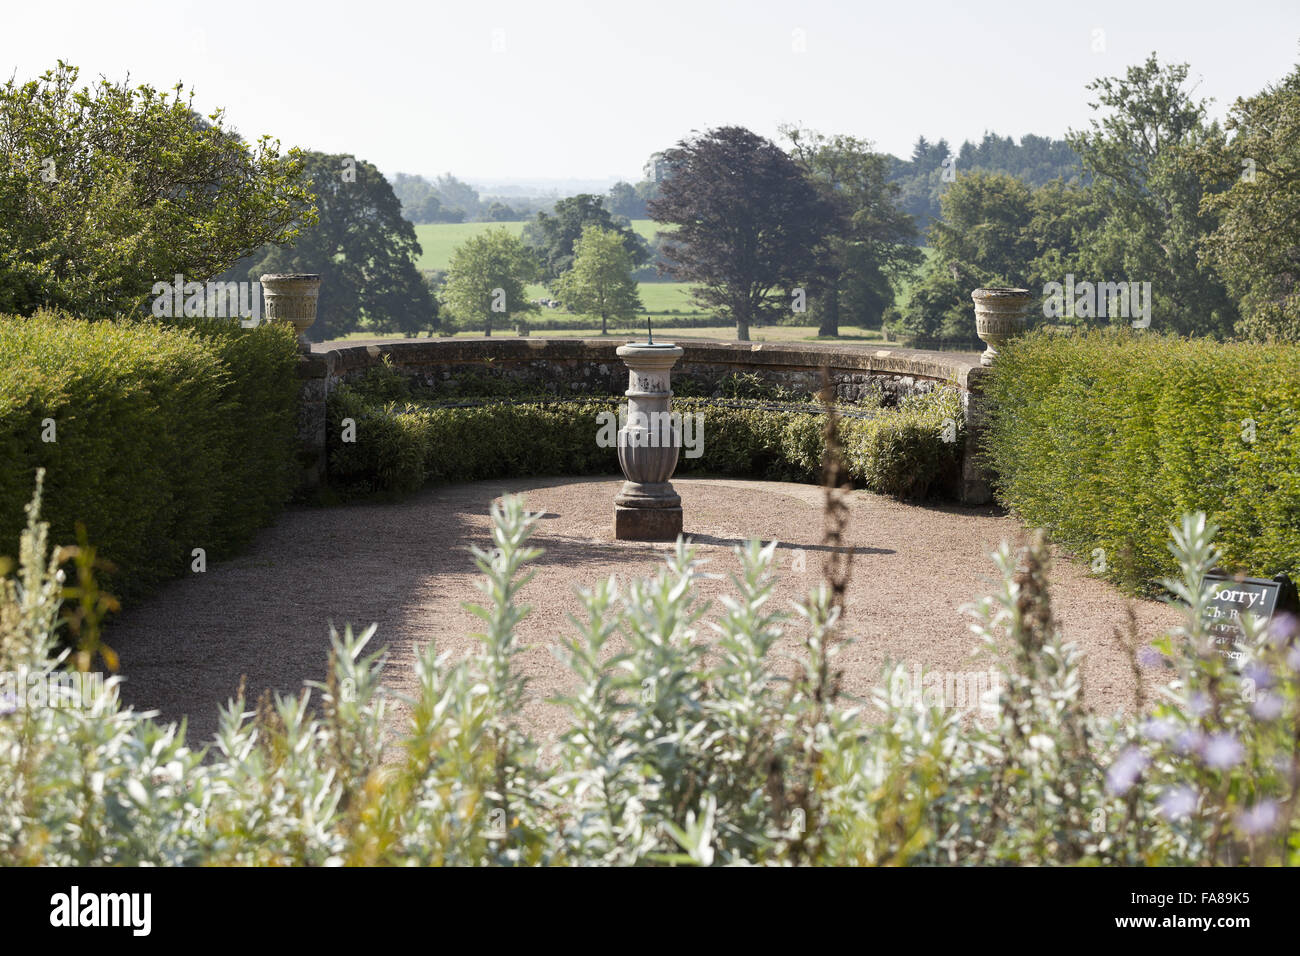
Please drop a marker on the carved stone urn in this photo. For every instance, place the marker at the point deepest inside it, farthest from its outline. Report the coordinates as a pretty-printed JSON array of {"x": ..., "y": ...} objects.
[
  {"x": 647, "y": 508},
  {"x": 1000, "y": 315},
  {"x": 292, "y": 297}
]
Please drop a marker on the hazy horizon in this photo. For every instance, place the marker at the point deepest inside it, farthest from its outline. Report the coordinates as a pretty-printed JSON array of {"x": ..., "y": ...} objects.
[{"x": 510, "y": 93}]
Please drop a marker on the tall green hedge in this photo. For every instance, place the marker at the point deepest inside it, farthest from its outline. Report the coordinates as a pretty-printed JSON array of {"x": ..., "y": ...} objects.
[
  {"x": 1106, "y": 437},
  {"x": 400, "y": 447},
  {"x": 166, "y": 438}
]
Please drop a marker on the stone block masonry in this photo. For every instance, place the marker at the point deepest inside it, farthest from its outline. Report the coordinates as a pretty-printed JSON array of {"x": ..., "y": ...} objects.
[{"x": 315, "y": 384}]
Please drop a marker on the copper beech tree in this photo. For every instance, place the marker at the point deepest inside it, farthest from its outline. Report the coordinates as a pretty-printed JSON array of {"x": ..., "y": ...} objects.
[{"x": 747, "y": 225}]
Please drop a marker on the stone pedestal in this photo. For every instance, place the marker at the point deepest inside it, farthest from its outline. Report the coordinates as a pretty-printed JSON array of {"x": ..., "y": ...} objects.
[
  {"x": 313, "y": 378},
  {"x": 647, "y": 508},
  {"x": 647, "y": 524},
  {"x": 292, "y": 297}
]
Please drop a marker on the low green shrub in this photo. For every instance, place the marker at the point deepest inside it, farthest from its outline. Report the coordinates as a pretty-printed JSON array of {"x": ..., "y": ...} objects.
[
  {"x": 752, "y": 385},
  {"x": 1105, "y": 437},
  {"x": 159, "y": 438},
  {"x": 400, "y": 447},
  {"x": 908, "y": 452},
  {"x": 677, "y": 750},
  {"x": 383, "y": 383}
]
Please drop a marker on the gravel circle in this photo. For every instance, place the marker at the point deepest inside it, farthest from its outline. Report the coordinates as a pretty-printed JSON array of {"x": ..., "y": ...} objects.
[{"x": 405, "y": 566}]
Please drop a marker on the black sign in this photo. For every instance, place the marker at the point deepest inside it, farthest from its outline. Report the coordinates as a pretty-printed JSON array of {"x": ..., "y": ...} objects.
[{"x": 1231, "y": 598}]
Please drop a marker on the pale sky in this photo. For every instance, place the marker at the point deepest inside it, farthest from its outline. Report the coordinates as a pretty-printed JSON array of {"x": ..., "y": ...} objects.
[{"x": 497, "y": 89}]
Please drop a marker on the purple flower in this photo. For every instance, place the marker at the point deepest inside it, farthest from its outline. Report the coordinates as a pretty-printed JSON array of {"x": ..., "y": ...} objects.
[
  {"x": 1293, "y": 658},
  {"x": 1198, "y": 705},
  {"x": 8, "y": 703},
  {"x": 1260, "y": 818},
  {"x": 1148, "y": 656},
  {"x": 1269, "y": 706},
  {"x": 1260, "y": 674},
  {"x": 1283, "y": 627},
  {"x": 1125, "y": 771},
  {"x": 1189, "y": 741},
  {"x": 1178, "y": 803},
  {"x": 1159, "y": 728},
  {"x": 1223, "y": 751}
]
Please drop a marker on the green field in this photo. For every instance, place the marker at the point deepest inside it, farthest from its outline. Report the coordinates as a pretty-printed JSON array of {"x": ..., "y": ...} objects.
[
  {"x": 659, "y": 298},
  {"x": 439, "y": 239}
]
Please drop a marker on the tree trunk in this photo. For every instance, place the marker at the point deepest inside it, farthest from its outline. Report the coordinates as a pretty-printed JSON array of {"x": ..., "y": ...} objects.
[
  {"x": 603, "y": 330},
  {"x": 487, "y": 327},
  {"x": 743, "y": 315},
  {"x": 830, "y": 302}
]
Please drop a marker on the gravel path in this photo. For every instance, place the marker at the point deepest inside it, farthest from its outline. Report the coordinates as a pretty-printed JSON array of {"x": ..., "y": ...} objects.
[{"x": 405, "y": 566}]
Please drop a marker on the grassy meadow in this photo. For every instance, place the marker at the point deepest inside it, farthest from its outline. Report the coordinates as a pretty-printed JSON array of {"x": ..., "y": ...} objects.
[
  {"x": 662, "y": 300},
  {"x": 438, "y": 240}
]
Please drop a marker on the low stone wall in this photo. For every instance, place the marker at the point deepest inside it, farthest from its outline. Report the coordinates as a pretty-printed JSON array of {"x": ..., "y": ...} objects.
[{"x": 590, "y": 366}]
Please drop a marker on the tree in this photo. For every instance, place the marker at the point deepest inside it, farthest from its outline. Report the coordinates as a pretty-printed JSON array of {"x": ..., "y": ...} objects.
[
  {"x": 868, "y": 247},
  {"x": 939, "y": 308},
  {"x": 487, "y": 278},
  {"x": 421, "y": 202},
  {"x": 1141, "y": 153},
  {"x": 500, "y": 212},
  {"x": 600, "y": 282},
  {"x": 1037, "y": 160},
  {"x": 363, "y": 248},
  {"x": 623, "y": 200},
  {"x": 552, "y": 236},
  {"x": 994, "y": 230},
  {"x": 646, "y": 191},
  {"x": 748, "y": 223},
  {"x": 454, "y": 194},
  {"x": 983, "y": 231},
  {"x": 106, "y": 190},
  {"x": 1256, "y": 246}
]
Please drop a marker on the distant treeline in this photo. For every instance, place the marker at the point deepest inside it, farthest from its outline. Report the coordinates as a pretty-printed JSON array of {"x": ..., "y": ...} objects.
[
  {"x": 1036, "y": 160},
  {"x": 448, "y": 199}
]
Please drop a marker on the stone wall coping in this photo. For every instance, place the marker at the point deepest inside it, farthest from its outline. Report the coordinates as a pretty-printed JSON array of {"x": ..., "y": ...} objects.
[{"x": 962, "y": 368}]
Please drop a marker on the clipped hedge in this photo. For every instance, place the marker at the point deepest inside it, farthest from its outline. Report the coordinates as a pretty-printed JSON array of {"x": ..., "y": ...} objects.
[
  {"x": 1106, "y": 437},
  {"x": 401, "y": 447},
  {"x": 166, "y": 437}
]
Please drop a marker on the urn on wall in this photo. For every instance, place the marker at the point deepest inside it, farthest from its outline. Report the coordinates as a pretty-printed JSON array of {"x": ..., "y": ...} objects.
[
  {"x": 292, "y": 298},
  {"x": 647, "y": 508},
  {"x": 1000, "y": 315}
]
